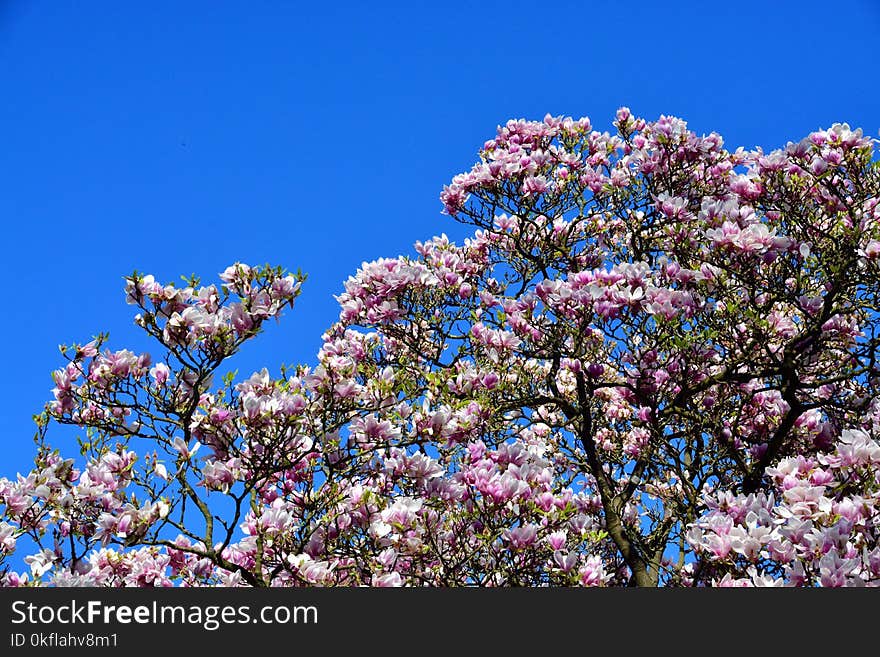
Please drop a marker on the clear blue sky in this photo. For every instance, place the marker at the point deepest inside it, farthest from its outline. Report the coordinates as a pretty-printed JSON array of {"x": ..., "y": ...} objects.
[{"x": 179, "y": 137}]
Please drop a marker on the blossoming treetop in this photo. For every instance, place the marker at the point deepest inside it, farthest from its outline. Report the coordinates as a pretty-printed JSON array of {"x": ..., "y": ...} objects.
[{"x": 653, "y": 363}]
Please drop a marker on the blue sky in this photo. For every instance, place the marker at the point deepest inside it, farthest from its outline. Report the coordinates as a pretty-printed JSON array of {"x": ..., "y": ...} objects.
[{"x": 177, "y": 138}]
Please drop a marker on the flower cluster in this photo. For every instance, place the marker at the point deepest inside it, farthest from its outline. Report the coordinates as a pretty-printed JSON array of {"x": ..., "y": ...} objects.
[{"x": 817, "y": 527}]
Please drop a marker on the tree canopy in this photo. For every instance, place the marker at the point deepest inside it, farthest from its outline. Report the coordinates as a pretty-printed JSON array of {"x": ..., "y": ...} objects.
[{"x": 653, "y": 362}]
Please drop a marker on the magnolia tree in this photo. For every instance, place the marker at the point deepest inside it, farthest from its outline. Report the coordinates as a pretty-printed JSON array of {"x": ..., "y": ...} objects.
[{"x": 654, "y": 362}]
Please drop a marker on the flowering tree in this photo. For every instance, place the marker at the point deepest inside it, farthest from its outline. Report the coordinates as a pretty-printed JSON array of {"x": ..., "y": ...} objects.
[{"x": 653, "y": 363}]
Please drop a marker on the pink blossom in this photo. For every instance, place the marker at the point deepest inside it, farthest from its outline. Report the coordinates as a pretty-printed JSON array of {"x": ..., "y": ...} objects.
[
  {"x": 160, "y": 373},
  {"x": 389, "y": 580},
  {"x": 521, "y": 537},
  {"x": 534, "y": 185}
]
